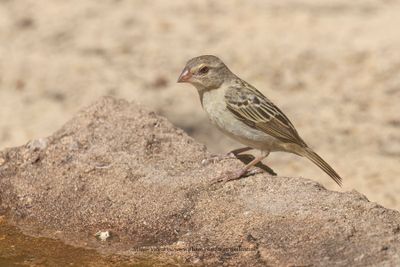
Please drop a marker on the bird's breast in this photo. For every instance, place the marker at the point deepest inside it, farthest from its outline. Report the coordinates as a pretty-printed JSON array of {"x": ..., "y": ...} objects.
[{"x": 215, "y": 106}]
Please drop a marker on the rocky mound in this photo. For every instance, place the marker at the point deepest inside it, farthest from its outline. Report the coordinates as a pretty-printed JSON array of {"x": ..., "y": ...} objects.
[{"x": 119, "y": 170}]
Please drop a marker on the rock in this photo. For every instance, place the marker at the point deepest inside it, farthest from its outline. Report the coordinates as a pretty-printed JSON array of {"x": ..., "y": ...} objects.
[{"x": 118, "y": 167}]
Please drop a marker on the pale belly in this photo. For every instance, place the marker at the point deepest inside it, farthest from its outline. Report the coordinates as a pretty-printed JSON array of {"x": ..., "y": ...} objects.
[{"x": 221, "y": 117}]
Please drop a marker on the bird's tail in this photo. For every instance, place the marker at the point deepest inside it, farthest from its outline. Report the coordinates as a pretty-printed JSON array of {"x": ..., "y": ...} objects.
[{"x": 317, "y": 160}]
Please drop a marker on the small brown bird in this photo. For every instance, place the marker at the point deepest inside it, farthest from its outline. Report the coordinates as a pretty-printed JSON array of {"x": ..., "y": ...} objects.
[{"x": 242, "y": 112}]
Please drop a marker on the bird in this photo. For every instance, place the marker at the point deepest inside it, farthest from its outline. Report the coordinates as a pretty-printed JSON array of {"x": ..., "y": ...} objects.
[{"x": 243, "y": 113}]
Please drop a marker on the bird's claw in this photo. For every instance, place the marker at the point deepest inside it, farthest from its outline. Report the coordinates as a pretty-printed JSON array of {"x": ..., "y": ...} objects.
[{"x": 229, "y": 176}]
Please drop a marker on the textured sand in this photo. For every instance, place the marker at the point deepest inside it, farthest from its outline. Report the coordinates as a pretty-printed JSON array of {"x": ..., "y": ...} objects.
[{"x": 334, "y": 68}]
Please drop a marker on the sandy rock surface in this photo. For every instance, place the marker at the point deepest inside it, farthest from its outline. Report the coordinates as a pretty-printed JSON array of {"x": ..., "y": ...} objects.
[
  {"x": 117, "y": 169},
  {"x": 332, "y": 66}
]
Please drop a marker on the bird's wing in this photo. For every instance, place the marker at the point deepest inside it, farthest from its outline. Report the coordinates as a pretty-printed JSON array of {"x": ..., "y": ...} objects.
[{"x": 251, "y": 107}]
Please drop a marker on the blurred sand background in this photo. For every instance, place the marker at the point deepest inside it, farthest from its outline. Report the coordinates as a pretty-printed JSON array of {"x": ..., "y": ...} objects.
[{"x": 332, "y": 66}]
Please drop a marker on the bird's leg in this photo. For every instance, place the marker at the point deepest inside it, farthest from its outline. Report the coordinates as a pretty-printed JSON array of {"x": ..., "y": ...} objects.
[
  {"x": 234, "y": 175},
  {"x": 237, "y": 151},
  {"x": 230, "y": 155}
]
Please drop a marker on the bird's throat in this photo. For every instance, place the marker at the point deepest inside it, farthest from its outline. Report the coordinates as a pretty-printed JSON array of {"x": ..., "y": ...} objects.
[{"x": 203, "y": 90}]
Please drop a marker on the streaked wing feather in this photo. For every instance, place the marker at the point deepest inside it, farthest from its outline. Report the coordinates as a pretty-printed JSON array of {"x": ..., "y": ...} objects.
[{"x": 254, "y": 109}]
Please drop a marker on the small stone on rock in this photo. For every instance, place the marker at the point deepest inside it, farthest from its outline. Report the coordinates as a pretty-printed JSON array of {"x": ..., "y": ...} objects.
[{"x": 103, "y": 236}]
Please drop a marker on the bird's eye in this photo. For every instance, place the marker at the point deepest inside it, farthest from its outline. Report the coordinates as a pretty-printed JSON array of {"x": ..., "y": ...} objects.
[{"x": 204, "y": 70}]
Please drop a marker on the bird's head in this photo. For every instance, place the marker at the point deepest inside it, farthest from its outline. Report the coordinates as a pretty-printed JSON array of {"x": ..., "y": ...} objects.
[{"x": 205, "y": 72}]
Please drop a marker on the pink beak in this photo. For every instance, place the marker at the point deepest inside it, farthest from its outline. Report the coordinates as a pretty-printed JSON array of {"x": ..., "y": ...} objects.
[{"x": 185, "y": 76}]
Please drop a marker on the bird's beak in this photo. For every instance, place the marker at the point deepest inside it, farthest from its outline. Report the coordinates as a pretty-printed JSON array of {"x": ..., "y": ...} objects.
[{"x": 185, "y": 76}]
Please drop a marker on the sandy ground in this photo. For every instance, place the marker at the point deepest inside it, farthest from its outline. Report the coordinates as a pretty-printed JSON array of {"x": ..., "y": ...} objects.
[{"x": 334, "y": 68}]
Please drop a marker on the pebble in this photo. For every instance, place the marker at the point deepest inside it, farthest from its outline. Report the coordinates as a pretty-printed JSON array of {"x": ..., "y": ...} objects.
[{"x": 103, "y": 235}]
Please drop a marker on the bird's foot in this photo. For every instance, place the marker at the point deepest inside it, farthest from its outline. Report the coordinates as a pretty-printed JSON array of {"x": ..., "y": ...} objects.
[
  {"x": 235, "y": 175},
  {"x": 228, "y": 176}
]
